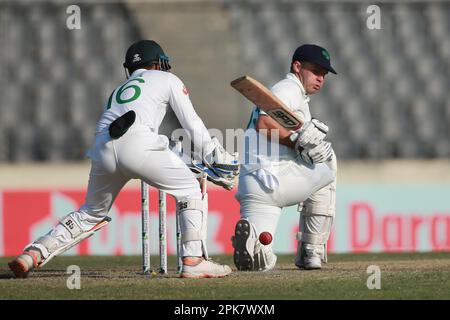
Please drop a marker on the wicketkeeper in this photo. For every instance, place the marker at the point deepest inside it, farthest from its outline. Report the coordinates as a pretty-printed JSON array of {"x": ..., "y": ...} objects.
[
  {"x": 127, "y": 146},
  {"x": 303, "y": 173}
]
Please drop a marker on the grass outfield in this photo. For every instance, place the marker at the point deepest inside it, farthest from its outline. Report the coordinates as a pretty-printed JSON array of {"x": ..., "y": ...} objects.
[{"x": 403, "y": 276}]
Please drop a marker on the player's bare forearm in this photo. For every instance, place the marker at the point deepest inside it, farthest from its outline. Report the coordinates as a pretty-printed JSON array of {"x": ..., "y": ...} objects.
[{"x": 266, "y": 122}]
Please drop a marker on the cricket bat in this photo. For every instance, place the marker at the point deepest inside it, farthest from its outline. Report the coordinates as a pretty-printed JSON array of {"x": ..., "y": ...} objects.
[{"x": 263, "y": 98}]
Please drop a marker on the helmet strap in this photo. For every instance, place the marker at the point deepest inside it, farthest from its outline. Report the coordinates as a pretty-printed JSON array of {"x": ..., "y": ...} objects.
[{"x": 127, "y": 74}]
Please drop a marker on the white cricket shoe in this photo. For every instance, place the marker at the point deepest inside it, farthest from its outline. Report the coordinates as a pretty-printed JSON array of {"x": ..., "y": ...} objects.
[
  {"x": 312, "y": 257},
  {"x": 312, "y": 263},
  {"x": 249, "y": 253},
  {"x": 196, "y": 268},
  {"x": 24, "y": 263},
  {"x": 265, "y": 257},
  {"x": 244, "y": 241}
]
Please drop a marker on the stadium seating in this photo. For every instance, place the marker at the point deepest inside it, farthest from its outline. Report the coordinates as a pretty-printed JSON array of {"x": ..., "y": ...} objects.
[
  {"x": 55, "y": 81},
  {"x": 389, "y": 99}
]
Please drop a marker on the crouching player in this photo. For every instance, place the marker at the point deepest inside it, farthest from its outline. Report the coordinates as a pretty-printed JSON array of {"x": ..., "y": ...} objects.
[
  {"x": 302, "y": 173},
  {"x": 127, "y": 146}
]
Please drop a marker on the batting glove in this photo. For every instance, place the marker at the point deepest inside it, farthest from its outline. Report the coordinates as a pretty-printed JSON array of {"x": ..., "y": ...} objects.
[
  {"x": 321, "y": 153},
  {"x": 310, "y": 135}
]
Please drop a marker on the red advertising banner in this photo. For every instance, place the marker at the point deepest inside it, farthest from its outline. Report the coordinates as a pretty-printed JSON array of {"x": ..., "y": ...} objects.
[
  {"x": 26, "y": 215},
  {"x": 371, "y": 218}
]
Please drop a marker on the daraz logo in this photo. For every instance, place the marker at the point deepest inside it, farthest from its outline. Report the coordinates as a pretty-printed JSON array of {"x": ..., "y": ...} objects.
[{"x": 326, "y": 54}]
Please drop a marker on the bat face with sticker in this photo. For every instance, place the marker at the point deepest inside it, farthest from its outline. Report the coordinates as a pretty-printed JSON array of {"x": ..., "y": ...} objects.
[{"x": 257, "y": 93}]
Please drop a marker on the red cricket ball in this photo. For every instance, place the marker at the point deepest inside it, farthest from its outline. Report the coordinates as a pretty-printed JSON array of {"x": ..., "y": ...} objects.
[{"x": 265, "y": 238}]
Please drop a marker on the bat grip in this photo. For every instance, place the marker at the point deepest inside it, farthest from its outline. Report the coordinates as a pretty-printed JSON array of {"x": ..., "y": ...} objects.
[{"x": 293, "y": 137}]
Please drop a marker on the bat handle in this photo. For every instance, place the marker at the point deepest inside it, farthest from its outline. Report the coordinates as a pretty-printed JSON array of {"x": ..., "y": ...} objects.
[
  {"x": 203, "y": 182},
  {"x": 293, "y": 137}
]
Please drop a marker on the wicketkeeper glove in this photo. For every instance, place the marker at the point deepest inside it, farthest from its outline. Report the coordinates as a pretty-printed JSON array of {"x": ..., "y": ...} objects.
[
  {"x": 211, "y": 175},
  {"x": 220, "y": 161}
]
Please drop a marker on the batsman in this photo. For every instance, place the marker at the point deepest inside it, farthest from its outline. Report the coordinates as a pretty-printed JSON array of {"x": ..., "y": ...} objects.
[
  {"x": 127, "y": 146},
  {"x": 302, "y": 172}
]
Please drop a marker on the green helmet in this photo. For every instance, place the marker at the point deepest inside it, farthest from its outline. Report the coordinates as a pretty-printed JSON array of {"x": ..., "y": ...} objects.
[{"x": 144, "y": 52}]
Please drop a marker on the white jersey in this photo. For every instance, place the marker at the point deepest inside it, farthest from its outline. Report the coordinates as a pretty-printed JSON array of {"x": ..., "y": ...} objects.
[
  {"x": 142, "y": 153},
  {"x": 149, "y": 93},
  {"x": 291, "y": 92}
]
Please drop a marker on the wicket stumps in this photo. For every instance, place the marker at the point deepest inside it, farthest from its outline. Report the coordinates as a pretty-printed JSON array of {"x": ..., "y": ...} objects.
[
  {"x": 146, "y": 247},
  {"x": 146, "y": 226},
  {"x": 146, "y": 231},
  {"x": 162, "y": 232}
]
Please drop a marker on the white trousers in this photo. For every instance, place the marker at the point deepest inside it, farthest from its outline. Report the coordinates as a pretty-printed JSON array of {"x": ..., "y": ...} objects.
[
  {"x": 296, "y": 183},
  {"x": 139, "y": 154}
]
